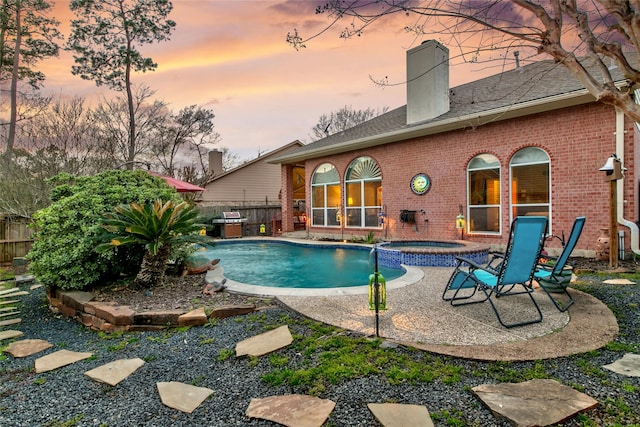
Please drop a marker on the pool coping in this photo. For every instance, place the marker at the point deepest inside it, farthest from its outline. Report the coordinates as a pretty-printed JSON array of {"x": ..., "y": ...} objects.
[{"x": 412, "y": 274}]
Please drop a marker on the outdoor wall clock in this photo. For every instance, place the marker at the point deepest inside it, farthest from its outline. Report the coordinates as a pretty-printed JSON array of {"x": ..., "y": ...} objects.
[{"x": 420, "y": 183}]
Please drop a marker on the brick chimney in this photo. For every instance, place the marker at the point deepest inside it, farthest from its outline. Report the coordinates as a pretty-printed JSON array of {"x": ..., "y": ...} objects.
[
  {"x": 427, "y": 81},
  {"x": 215, "y": 162}
]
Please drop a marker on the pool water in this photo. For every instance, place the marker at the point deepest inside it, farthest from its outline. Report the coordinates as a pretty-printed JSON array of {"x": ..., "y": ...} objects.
[{"x": 287, "y": 265}]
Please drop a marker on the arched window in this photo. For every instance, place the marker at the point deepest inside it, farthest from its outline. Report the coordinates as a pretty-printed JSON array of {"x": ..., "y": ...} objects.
[
  {"x": 530, "y": 183},
  {"x": 363, "y": 193},
  {"x": 483, "y": 194},
  {"x": 325, "y": 196}
]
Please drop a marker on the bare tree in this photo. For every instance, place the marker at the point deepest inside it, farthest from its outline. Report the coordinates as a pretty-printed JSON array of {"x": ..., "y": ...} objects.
[
  {"x": 27, "y": 36},
  {"x": 66, "y": 138},
  {"x": 342, "y": 119},
  {"x": 112, "y": 117},
  {"x": 190, "y": 131},
  {"x": 586, "y": 37}
]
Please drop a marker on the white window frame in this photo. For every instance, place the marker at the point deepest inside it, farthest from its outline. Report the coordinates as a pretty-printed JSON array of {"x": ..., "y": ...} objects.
[
  {"x": 547, "y": 161},
  {"x": 493, "y": 163}
]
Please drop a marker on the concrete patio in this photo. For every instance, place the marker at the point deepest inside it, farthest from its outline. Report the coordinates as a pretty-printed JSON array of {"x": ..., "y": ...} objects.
[{"x": 417, "y": 316}]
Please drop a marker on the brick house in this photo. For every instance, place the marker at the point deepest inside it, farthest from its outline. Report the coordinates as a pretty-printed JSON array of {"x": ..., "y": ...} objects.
[{"x": 529, "y": 140}]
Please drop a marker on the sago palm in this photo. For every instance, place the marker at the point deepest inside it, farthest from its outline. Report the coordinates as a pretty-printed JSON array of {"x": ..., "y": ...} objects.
[{"x": 157, "y": 227}]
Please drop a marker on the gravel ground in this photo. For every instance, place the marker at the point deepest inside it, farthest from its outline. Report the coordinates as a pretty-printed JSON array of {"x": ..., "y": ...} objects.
[{"x": 66, "y": 397}]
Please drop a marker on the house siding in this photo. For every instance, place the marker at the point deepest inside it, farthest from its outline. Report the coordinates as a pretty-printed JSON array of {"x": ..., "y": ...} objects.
[
  {"x": 578, "y": 141},
  {"x": 257, "y": 183}
]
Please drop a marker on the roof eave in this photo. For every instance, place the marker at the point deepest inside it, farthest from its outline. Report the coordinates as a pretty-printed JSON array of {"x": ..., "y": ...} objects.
[{"x": 564, "y": 100}]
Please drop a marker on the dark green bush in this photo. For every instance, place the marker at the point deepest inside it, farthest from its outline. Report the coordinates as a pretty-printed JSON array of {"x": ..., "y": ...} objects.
[{"x": 66, "y": 232}]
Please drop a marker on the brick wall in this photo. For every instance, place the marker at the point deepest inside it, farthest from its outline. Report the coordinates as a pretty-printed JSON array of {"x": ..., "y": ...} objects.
[{"x": 578, "y": 141}]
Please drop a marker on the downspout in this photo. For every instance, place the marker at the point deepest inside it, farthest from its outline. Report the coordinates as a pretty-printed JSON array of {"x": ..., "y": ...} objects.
[{"x": 633, "y": 228}]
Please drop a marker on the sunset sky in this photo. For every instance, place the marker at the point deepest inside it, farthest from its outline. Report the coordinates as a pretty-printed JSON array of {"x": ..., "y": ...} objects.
[{"x": 231, "y": 57}]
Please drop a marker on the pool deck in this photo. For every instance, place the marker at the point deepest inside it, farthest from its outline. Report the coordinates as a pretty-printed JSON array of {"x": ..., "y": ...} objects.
[{"x": 417, "y": 316}]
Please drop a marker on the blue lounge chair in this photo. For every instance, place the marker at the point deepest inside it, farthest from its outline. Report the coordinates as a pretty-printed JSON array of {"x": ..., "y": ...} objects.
[
  {"x": 554, "y": 277},
  {"x": 513, "y": 276}
]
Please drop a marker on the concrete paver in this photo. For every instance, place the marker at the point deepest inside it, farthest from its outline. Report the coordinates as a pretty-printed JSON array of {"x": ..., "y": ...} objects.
[
  {"x": 628, "y": 365},
  {"x": 265, "y": 343},
  {"x": 539, "y": 402},
  {"x": 59, "y": 359},
  {"x": 401, "y": 415},
  {"x": 114, "y": 372},
  {"x": 24, "y": 348},
  {"x": 6, "y": 335},
  {"x": 293, "y": 410},
  {"x": 183, "y": 397}
]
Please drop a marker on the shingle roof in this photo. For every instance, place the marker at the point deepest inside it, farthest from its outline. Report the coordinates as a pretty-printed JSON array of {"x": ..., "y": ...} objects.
[{"x": 537, "y": 83}]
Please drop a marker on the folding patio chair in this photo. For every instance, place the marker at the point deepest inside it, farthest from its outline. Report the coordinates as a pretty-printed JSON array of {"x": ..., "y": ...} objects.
[
  {"x": 554, "y": 276},
  {"x": 513, "y": 276}
]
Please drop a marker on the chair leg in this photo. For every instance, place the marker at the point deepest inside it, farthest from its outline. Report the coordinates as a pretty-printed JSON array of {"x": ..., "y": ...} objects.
[
  {"x": 459, "y": 280},
  {"x": 538, "y": 319},
  {"x": 559, "y": 304}
]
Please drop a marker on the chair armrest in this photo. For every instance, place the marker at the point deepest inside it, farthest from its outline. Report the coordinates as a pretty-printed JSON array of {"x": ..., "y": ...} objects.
[{"x": 472, "y": 264}]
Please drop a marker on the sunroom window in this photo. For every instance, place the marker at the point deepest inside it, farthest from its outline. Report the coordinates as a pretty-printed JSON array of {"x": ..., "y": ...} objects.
[
  {"x": 530, "y": 183},
  {"x": 363, "y": 193},
  {"x": 325, "y": 196},
  {"x": 483, "y": 179}
]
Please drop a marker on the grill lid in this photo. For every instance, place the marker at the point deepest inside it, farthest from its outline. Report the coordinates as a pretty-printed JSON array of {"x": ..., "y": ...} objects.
[{"x": 231, "y": 215}]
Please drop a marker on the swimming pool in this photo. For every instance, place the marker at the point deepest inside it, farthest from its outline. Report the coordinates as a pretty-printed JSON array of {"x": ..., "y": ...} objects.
[{"x": 285, "y": 264}]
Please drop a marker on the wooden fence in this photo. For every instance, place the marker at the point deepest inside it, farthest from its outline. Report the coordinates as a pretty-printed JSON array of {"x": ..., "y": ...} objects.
[
  {"x": 15, "y": 238},
  {"x": 16, "y": 241},
  {"x": 255, "y": 216}
]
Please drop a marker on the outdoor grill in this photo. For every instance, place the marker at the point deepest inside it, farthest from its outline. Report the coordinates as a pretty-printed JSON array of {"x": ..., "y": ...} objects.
[{"x": 232, "y": 224}]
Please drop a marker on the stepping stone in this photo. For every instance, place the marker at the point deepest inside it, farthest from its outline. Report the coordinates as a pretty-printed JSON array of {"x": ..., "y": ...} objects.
[
  {"x": 58, "y": 359},
  {"x": 618, "y": 282},
  {"x": 183, "y": 397},
  {"x": 4, "y": 292},
  {"x": 294, "y": 410},
  {"x": 5, "y": 335},
  {"x": 629, "y": 365},
  {"x": 22, "y": 279},
  {"x": 265, "y": 343},
  {"x": 401, "y": 415},
  {"x": 195, "y": 317},
  {"x": 539, "y": 402},
  {"x": 114, "y": 372},
  {"x": 36, "y": 286},
  {"x": 10, "y": 322},
  {"x": 11, "y": 301},
  {"x": 24, "y": 348},
  {"x": 14, "y": 294},
  {"x": 9, "y": 311}
]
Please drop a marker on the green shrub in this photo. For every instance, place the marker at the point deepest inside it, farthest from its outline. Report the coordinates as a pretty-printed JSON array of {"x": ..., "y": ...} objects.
[
  {"x": 66, "y": 231},
  {"x": 157, "y": 227}
]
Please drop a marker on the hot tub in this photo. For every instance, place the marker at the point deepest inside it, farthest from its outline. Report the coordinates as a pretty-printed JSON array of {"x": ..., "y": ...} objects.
[{"x": 430, "y": 253}]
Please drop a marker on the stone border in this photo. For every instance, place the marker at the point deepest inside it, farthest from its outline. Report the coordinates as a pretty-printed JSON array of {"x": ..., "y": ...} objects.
[{"x": 112, "y": 317}]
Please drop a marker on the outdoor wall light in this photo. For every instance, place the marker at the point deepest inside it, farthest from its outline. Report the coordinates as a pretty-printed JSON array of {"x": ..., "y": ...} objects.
[{"x": 460, "y": 223}]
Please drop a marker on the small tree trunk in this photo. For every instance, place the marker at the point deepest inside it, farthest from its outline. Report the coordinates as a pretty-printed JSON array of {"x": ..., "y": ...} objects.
[
  {"x": 152, "y": 269},
  {"x": 13, "y": 113}
]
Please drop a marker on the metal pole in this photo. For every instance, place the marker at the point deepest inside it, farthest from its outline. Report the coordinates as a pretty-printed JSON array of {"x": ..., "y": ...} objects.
[
  {"x": 376, "y": 291},
  {"x": 613, "y": 224}
]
